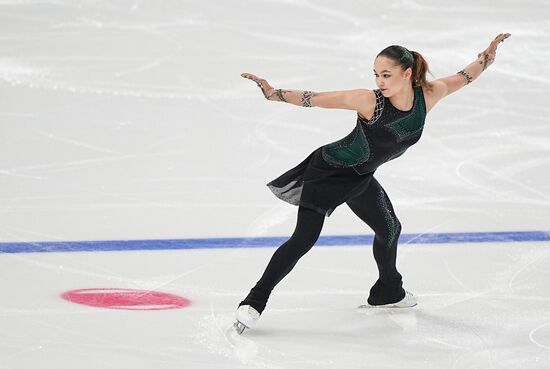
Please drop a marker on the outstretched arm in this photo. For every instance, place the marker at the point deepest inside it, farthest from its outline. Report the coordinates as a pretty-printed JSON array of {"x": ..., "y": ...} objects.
[
  {"x": 359, "y": 99},
  {"x": 447, "y": 85}
]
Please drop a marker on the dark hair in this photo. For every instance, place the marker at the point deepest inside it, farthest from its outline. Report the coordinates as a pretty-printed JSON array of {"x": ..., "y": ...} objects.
[{"x": 409, "y": 59}]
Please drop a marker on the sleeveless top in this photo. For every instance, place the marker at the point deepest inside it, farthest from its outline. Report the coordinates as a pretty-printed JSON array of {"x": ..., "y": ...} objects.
[{"x": 387, "y": 135}]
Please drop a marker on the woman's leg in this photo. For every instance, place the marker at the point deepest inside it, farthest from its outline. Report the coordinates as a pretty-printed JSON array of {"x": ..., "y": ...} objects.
[
  {"x": 308, "y": 229},
  {"x": 374, "y": 207}
]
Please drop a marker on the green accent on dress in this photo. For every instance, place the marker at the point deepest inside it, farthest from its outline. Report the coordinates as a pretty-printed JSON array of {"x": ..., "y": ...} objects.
[
  {"x": 349, "y": 151},
  {"x": 412, "y": 123}
]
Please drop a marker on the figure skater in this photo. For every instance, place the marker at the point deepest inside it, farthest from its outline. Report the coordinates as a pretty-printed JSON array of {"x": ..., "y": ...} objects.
[{"x": 389, "y": 120}]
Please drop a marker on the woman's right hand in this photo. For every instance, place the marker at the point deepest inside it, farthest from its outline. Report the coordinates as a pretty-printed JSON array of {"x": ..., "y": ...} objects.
[
  {"x": 266, "y": 88},
  {"x": 490, "y": 52}
]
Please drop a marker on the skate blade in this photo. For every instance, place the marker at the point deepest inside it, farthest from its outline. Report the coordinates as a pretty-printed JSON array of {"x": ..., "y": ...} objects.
[
  {"x": 387, "y": 306},
  {"x": 239, "y": 327}
]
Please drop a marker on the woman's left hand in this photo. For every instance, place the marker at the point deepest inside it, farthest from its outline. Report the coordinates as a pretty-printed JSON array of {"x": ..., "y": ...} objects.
[
  {"x": 266, "y": 88},
  {"x": 489, "y": 53}
]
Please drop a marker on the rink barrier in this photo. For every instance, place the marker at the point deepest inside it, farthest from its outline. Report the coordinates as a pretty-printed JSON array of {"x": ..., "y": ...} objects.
[{"x": 256, "y": 242}]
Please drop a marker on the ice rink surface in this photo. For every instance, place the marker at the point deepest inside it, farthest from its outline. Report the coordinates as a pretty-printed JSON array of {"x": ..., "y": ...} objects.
[{"x": 128, "y": 120}]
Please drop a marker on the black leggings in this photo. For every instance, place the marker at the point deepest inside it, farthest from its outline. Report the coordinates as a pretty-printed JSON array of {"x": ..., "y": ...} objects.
[{"x": 373, "y": 207}]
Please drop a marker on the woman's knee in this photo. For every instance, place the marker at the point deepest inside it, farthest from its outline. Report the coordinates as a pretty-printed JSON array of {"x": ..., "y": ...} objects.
[
  {"x": 390, "y": 230},
  {"x": 305, "y": 237}
]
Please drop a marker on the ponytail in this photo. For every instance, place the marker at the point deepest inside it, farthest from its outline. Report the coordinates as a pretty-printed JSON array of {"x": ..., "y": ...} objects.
[
  {"x": 420, "y": 70},
  {"x": 409, "y": 59}
]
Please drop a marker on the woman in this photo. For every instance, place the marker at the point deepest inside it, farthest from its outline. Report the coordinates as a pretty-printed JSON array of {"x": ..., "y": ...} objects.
[{"x": 390, "y": 119}]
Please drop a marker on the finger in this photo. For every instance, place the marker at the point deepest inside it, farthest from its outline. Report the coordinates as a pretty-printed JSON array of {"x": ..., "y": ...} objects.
[
  {"x": 249, "y": 76},
  {"x": 504, "y": 36},
  {"x": 493, "y": 46},
  {"x": 501, "y": 38}
]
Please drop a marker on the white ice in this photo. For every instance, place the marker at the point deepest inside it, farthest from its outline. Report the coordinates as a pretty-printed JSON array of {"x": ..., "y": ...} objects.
[{"x": 129, "y": 120}]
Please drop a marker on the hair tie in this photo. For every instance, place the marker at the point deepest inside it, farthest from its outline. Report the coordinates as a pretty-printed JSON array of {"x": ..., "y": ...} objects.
[{"x": 407, "y": 54}]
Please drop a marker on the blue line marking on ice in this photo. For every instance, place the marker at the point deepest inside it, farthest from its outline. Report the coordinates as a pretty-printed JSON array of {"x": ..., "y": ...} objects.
[{"x": 222, "y": 243}]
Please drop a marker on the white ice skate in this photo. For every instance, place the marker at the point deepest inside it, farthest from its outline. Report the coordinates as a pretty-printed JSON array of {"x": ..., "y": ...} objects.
[
  {"x": 247, "y": 317},
  {"x": 408, "y": 301}
]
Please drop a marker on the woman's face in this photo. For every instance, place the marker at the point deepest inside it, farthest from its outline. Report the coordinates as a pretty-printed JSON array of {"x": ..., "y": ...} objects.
[{"x": 390, "y": 78}]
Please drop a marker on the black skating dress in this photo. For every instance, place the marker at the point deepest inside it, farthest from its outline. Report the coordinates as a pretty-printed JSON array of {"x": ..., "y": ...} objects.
[{"x": 336, "y": 172}]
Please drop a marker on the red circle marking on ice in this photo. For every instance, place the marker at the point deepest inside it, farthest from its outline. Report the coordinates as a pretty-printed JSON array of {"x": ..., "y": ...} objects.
[{"x": 126, "y": 299}]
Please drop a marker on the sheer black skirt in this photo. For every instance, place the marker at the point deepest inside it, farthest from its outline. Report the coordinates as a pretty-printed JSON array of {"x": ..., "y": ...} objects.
[{"x": 316, "y": 185}]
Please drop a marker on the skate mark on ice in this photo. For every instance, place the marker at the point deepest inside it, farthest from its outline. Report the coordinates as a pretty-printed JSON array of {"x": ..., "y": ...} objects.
[{"x": 536, "y": 342}]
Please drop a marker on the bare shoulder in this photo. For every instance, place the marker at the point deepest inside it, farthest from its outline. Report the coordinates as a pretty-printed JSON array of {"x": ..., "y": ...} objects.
[
  {"x": 433, "y": 92},
  {"x": 366, "y": 102}
]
